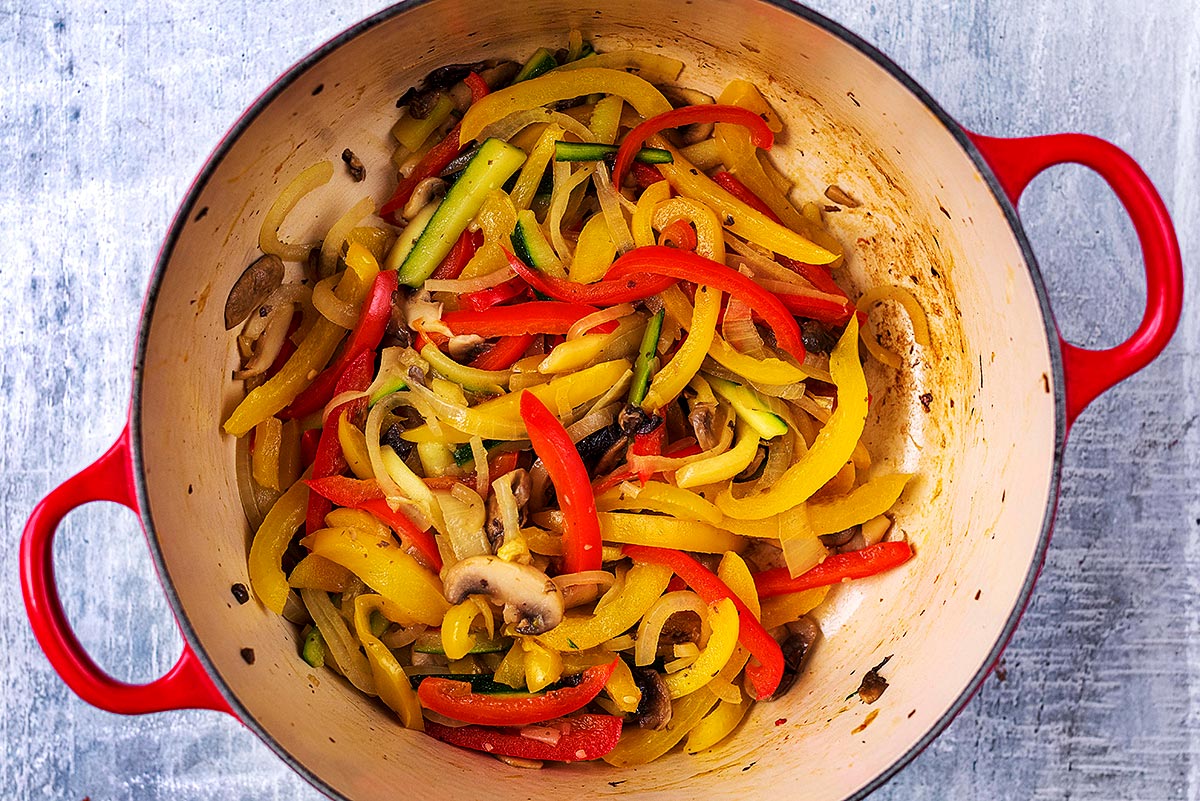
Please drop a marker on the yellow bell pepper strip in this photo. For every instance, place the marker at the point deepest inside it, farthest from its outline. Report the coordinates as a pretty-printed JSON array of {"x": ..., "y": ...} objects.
[
  {"x": 770, "y": 371},
  {"x": 687, "y": 115},
  {"x": 270, "y": 541},
  {"x": 622, "y": 689},
  {"x": 724, "y": 466},
  {"x": 858, "y": 506},
  {"x": 543, "y": 666},
  {"x": 572, "y": 354},
  {"x": 413, "y": 487},
  {"x": 384, "y": 567},
  {"x": 639, "y": 746},
  {"x": 454, "y": 699},
  {"x": 832, "y": 448},
  {"x": 717, "y": 725},
  {"x": 837, "y": 568},
  {"x": 535, "y": 166},
  {"x": 683, "y": 366},
  {"x": 653, "y": 67},
  {"x": 511, "y": 671},
  {"x": 733, "y": 571},
  {"x": 554, "y": 86},
  {"x": 391, "y": 683},
  {"x": 748, "y": 223},
  {"x": 581, "y": 529},
  {"x": 354, "y": 448},
  {"x": 644, "y": 584},
  {"x": 659, "y": 497},
  {"x": 582, "y": 737},
  {"x": 709, "y": 236},
  {"x": 784, "y": 609},
  {"x": 264, "y": 459},
  {"x": 723, "y": 617},
  {"x": 667, "y": 532},
  {"x": 661, "y": 260},
  {"x": 457, "y": 639},
  {"x": 740, "y": 92},
  {"x": 317, "y": 573},
  {"x": 594, "y": 252},
  {"x": 643, "y": 215},
  {"x": 499, "y": 413},
  {"x": 764, "y": 676}
]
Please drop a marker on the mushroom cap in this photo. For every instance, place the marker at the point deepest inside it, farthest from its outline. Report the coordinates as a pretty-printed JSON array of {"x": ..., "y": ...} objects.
[{"x": 530, "y": 598}]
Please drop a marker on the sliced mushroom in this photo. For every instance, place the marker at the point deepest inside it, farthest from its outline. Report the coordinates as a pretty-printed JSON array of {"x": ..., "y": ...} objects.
[
  {"x": 754, "y": 469},
  {"x": 635, "y": 420},
  {"x": 703, "y": 418},
  {"x": 425, "y": 193},
  {"x": 654, "y": 710},
  {"x": 679, "y": 628},
  {"x": 463, "y": 347},
  {"x": 531, "y": 600},
  {"x": 696, "y": 132},
  {"x": 256, "y": 283},
  {"x": 816, "y": 337},
  {"x": 609, "y": 459},
  {"x": 796, "y": 649}
]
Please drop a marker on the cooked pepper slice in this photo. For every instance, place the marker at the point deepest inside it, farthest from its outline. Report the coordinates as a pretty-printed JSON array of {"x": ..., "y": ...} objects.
[
  {"x": 760, "y": 134},
  {"x": 454, "y": 263},
  {"x": 367, "y": 334},
  {"x": 455, "y": 699},
  {"x": 837, "y": 568},
  {"x": 765, "y": 675},
  {"x": 535, "y": 317},
  {"x": 329, "y": 459},
  {"x": 506, "y": 352},
  {"x": 601, "y": 293},
  {"x": 484, "y": 299},
  {"x": 581, "y": 527},
  {"x": 582, "y": 737},
  {"x": 687, "y": 266}
]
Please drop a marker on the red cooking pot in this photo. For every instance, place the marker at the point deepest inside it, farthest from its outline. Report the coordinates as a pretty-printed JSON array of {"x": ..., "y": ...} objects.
[{"x": 981, "y": 414}]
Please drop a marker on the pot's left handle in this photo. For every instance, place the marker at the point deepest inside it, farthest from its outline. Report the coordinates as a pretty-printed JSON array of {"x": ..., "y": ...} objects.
[{"x": 185, "y": 686}]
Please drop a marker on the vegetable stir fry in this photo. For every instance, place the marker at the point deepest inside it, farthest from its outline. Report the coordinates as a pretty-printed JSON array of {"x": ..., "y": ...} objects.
[{"x": 556, "y": 455}]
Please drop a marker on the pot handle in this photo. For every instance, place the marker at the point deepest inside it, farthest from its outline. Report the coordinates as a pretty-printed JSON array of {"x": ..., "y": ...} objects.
[
  {"x": 1018, "y": 161},
  {"x": 185, "y": 686}
]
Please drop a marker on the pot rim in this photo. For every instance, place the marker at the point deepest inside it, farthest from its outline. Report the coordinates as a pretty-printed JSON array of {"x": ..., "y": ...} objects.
[{"x": 297, "y": 70}]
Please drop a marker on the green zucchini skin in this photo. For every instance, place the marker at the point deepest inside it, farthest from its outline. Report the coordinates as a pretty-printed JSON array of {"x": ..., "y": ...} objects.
[
  {"x": 644, "y": 364},
  {"x": 595, "y": 151},
  {"x": 749, "y": 407}
]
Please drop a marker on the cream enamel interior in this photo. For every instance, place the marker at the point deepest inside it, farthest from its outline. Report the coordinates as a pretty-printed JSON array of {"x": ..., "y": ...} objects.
[{"x": 984, "y": 450}]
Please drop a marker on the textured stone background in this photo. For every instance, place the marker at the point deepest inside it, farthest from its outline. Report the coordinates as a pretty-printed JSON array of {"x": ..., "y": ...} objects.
[{"x": 107, "y": 111}]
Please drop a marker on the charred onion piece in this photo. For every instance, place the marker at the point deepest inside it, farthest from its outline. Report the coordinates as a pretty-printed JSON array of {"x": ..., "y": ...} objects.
[{"x": 256, "y": 283}]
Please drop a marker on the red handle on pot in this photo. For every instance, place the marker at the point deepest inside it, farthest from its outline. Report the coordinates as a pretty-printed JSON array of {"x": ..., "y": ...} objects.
[
  {"x": 185, "y": 686},
  {"x": 1016, "y": 162}
]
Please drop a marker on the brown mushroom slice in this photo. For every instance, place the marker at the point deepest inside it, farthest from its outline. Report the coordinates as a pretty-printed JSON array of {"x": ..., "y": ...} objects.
[
  {"x": 654, "y": 710},
  {"x": 426, "y": 192},
  {"x": 703, "y": 418},
  {"x": 796, "y": 650},
  {"x": 531, "y": 600},
  {"x": 494, "y": 527},
  {"x": 255, "y": 285}
]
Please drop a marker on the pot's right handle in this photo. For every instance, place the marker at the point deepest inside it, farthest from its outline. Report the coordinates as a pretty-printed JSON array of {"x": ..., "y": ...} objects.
[
  {"x": 185, "y": 686},
  {"x": 1018, "y": 161}
]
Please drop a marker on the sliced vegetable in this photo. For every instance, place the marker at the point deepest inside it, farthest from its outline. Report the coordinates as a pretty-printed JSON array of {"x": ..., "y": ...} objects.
[
  {"x": 455, "y": 699},
  {"x": 835, "y": 569},
  {"x": 749, "y": 407},
  {"x": 534, "y": 317},
  {"x": 595, "y": 151},
  {"x": 647, "y": 352},
  {"x": 542, "y": 61},
  {"x": 688, "y": 115},
  {"x": 574, "y": 739},
  {"x": 600, "y": 293},
  {"x": 531, "y": 246}
]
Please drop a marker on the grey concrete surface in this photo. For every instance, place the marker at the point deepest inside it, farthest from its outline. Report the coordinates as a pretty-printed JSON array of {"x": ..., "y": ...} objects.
[{"x": 108, "y": 109}]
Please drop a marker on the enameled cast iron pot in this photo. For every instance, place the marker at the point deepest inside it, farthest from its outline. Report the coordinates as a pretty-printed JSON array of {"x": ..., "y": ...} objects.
[{"x": 937, "y": 216}]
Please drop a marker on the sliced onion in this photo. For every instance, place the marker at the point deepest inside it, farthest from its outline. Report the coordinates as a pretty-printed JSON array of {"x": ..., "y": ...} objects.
[
  {"x": 460, "y": 286},
  {"x": 268, "y": 346},
  {"x": 465, "y": 515},
  {"x": 256, "y": 500},
  {"x": 405, "y": 635},
  {"x": 294, "y": 610},
  {"x": 509, "y": 126},
  {"x": 619, "y": 389},
  {"x": 268, "y": 236},
  {"x": 338, "y": 400},
  {"x": 588, "y": 322},
  {"x": 331, "y": 307},
  {"x": 739, "y": 330},
  {"x": 510, "y": 513},
  {"x": 440, "y": 719},
  {"x": 373, "y": 431},
  {"x": 593, "y": 422},
  {"x": 610, "y": 204},
  {"x": 653, "y": 621},
  {"x": 479, "y": 453},
  {"x": 332, "y": 246},
  {"x": 587, "y": 578},
  {"x": 342, "y": 644},
  {"x": 785, "y": 288},
  {"x": 784, "y": 391},
  {"x": 565, "y": 182}
]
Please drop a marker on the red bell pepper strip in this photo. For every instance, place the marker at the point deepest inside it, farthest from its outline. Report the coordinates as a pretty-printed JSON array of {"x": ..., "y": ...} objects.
[
  {"x": 366, "y": 335},
  {"x": 645, "y": 175},
  {"x": 824, "y": 310},
  {"x": 308, "y": 445},
  {"x": 679, "y": 235},
  {"x": 504, "y": 354},
  {"x": 760, "y": 134},
  {"x": 837, "y": 568},
  {"x": 367, "y": 495},
  {"x": 764, "y": 675},
  {"x": 729, "y": 182},
  {"x": 454, "y": 699},
  {"x": 692, "y": 267},
  {"x": 552, "y": 444},
  {"x": 582, "y": 737},
  {"x": 534, "y": 317},
  {"x": 330, "y": 460},
  {"x": 464, "y": 249},
  {"x": 494, "y": 295},
  {"x": 649, "y": 444},
  {"x": 435, "y": 160},
  {"x": 503, "y": 463},
  {"x": 602, "y": 293}
]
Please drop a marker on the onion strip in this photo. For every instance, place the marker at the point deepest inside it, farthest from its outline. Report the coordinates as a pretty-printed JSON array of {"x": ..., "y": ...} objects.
[
  {"x": 597, "y": 318},
  {"x": 610, "y": 204},
  {"x": 340, "y": 232},
  {"x": 650, "y": 629},
  {"x": 268, "y": 236},
  {"x": 464, "y": 285},
  {"x": 343, "y": 646},
  {"x": 331, "y": 307}
]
